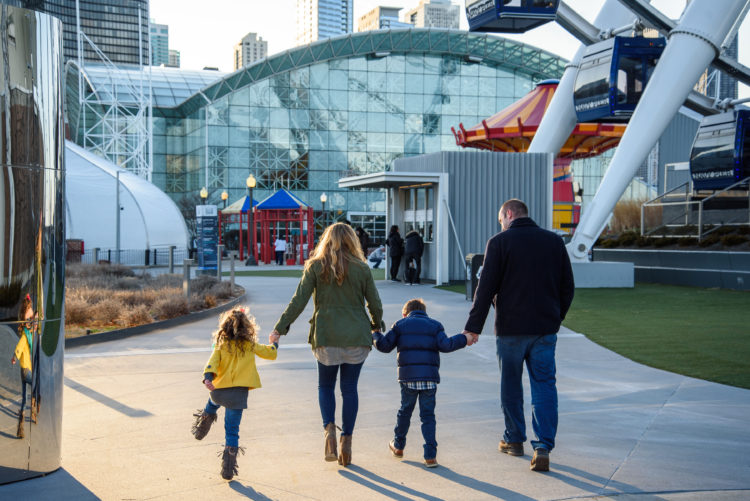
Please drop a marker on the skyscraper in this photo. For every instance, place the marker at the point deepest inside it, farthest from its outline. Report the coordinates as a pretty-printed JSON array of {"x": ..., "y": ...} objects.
[
  {"x": 159, "y": 44},
  {"x": 381, "y": 18},
  {"x": 320, "y": 19},
  {"x": 434, "y": 14},
  {"x": 113, "y": 25},
  {"x": 251, "y": 48},
  {"x": 174, "y": 59}
]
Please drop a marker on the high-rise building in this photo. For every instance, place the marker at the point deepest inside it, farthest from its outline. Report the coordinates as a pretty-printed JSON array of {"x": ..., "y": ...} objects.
[
  {"x": 251, "y": 48},
  {"x": 320, "y": 19},
  {"x": 381, "y": 18},
  {"x": 434, "y": 14},
  {"x": 113, "y": 25},
  {"x": 174, "y": 59},
  {"x": 159, "y": 44}
]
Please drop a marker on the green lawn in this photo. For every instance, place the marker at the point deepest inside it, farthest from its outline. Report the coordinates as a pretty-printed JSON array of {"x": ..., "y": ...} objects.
[
  {"x": 378, "y": 274},
  {"x": 703, "y": 333}
]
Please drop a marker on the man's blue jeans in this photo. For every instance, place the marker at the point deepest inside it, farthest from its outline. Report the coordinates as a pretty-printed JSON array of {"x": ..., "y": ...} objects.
[
  {"x": 232, "y": 418},
  {"x": 327, "y": 398},
  {"x": 426, "y": 415},
  {"x": 539, "y": 354}
]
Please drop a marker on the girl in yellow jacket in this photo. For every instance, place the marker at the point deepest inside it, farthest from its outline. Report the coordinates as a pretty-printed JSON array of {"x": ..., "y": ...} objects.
[
  {"x": 22, "y": 356},
  {"x": 229, "y": 374}
]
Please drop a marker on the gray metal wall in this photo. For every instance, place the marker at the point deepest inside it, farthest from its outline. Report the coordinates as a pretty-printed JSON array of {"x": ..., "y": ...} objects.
[
  {"x": 480, "y": 182},
  {"x": 32, "y": 259}
]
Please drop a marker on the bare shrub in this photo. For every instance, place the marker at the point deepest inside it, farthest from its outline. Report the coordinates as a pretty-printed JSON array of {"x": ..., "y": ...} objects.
[
  {"x": 167, "y": 281},
  {"x": 221, "y": 290},
  {"x": 127, "y": 283},
  {"x": 76, "y": 311},
  {"x": 138, "y": 315},
  {"x": 202, "y": 284},
  {"x": 196, "y": 303},
  {"x": 171, "y": 306},
  {"x": 106, "y": 312},
  {"x": 209, "y": 300}
]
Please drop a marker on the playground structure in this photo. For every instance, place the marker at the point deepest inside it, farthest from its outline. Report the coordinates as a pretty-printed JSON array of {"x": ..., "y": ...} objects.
[{"x": 693, "y": 43}]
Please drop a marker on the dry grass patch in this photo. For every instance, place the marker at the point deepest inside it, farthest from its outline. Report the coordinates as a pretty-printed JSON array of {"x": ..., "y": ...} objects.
[{"x": 106, "y": 296}]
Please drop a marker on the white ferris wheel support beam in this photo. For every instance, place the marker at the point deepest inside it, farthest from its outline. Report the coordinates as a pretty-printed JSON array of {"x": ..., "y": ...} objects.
[
  {"x": 692, "y": 45},
  {"x": 560, "y": 118}
]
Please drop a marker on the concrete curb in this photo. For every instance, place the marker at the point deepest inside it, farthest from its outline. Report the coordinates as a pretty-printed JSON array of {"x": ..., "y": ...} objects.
[{"x": 146, "y": 328}]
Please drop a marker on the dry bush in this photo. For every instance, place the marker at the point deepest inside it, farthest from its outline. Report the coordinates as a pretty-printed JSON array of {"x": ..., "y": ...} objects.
[
  {"x": 171, "y": 306},
  {"x": 127, "y": 283},
  {"x": 626, "y": 216},
  {"x": 209, "y": 300},
  {"x": 76, "y": 311},
  {"x": 137, "y": 315},
  {"x": 94, "y": 295},
  {"x": 196, "y": 303},
  {"x": 167, "y": 281},
  {"x": 106, "y": 312},
  {"x": 202, "y": 284},
  {"x": 221, "y": 290}
]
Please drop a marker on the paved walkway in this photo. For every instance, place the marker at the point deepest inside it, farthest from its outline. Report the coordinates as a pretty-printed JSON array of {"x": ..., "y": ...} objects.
[{"x": 625, "y": 430}]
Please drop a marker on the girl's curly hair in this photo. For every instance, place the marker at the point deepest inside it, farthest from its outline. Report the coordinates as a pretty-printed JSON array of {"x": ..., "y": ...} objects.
[{"x": 237, "y": 328}]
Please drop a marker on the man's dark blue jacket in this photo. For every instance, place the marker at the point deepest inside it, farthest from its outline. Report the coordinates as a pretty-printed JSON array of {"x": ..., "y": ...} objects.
[
  {"x": 419, "y": 340},
  {"x": 528, "y": 277}
]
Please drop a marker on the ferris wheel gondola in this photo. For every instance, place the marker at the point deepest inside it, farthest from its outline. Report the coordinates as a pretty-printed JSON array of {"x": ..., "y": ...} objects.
[
  {"x": 612, "y": 76},
  {"x": 721, "y": 150},
  {"x": 509, "y": 16}
]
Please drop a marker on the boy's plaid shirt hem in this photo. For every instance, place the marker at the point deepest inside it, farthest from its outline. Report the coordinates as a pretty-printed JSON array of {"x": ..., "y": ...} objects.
[{"x": 421, "y": 385}]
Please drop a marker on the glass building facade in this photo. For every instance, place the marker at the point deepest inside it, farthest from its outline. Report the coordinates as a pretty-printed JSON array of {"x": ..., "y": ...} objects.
[
  {"x": 345, "y": 106},
  {"x": 111, "y": 24}
]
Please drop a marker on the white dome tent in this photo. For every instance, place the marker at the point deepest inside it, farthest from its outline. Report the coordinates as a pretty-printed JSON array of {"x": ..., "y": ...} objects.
[{"x": 149, "y": 219}]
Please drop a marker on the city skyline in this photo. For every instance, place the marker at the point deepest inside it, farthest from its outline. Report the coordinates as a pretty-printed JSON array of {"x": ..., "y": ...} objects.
[{"x": 264, "y": 19}]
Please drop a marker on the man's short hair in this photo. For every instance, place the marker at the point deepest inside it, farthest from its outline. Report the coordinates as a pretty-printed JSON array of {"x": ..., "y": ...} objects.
[
  {"x": 414, "y": 305},
  {"x": 516, "y": 206}
]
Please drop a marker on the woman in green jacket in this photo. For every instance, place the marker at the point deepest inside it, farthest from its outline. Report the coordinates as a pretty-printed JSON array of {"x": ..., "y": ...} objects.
[{"x": 340, "y": 282}]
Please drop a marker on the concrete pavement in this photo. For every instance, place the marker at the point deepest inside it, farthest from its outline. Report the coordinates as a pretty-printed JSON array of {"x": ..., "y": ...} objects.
[{"x": 626, "y": 430}]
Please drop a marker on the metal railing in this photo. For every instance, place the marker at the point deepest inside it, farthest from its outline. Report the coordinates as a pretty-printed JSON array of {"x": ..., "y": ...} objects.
[
  {"x": 693, "y": 218},
  {"x": 136, "y": 257}
]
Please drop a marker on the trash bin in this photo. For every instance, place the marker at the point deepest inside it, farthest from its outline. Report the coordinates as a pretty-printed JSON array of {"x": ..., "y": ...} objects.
[{"x": 473, "y": 269}]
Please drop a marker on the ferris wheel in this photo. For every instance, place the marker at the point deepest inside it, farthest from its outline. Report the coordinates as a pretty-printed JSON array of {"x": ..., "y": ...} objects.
[{"x": 618, "y": 75}]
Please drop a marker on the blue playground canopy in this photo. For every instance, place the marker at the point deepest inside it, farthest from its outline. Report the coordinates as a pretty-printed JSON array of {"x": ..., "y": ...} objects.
[
  {"x": 280, "y": 200},
  {"x": 240, "y": 206}
]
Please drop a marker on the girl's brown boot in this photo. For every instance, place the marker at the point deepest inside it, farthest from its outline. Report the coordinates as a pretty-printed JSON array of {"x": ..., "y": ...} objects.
[
  {"x": 330, "y": 436},
  {"x": 345, "y": 457}
]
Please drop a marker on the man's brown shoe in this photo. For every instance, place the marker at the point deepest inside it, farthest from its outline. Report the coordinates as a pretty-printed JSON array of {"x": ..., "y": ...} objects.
[
  {"x": 399, "y": 453},
  {"x": 513, "y": 448},
  {"x": 540, "y": 461},
  {"x": 430, "y": 463}
]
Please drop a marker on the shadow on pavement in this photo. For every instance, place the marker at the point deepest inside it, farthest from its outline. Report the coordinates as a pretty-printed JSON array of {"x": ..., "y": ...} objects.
[
  {"x": 248, "y": 491},
  {"x": 104, "y": 399},
  {"x": 388, "y": 488},
  {"x": 473, "y": 483},
  {"x": 593, "y": 483},
  {"x": 58, "y": 486}
]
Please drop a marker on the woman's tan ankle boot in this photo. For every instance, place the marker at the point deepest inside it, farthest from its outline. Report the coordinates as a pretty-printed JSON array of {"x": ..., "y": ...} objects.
[
  {"x": 330, "y": 436},
  {"x": 345, "y": 458}
]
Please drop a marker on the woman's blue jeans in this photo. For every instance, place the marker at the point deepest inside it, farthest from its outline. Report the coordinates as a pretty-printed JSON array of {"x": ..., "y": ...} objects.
[
  {"x": 232, "y": 418},
  {"x": 327, "y": 399},
  {"x": 538, "y": 352}
]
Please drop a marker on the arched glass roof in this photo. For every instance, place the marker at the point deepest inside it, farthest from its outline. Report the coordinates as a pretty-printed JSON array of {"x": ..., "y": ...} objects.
[
  {"x": 478, "y": 47},
  {"x": 169, "y": 86}
]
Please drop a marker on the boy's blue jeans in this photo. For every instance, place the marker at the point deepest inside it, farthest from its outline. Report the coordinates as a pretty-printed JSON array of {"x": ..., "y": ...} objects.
[
  {"x": 327, "y": 397},
  {"x": 232, "y": 418},
  {"x": 539, "y": 354},
  {"x": 426, "y": 415}
]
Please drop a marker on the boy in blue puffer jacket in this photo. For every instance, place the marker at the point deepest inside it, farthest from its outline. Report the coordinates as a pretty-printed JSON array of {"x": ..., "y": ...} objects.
[{"x": 419, "y": 340}]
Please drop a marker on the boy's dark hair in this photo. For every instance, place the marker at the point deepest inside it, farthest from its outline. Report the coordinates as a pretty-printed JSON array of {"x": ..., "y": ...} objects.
[{"x": 414, "y": 305}]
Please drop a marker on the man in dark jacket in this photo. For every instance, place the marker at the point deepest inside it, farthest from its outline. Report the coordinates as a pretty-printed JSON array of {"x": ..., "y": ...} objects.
[
  {"x": 413, "y": 250},
  {"x": 419, "y": 340},
  {"x": 527, "y": 276},
  {"x": 395, "y": 250}
]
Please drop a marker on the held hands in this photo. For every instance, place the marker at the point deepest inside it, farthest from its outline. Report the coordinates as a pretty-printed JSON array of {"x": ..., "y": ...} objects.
[
  {"x": 13, "y": 360},
  {"x": 471, "y": 338},
  {"x": 209, "y": 384},
  {"x": 274, "y": 337}
]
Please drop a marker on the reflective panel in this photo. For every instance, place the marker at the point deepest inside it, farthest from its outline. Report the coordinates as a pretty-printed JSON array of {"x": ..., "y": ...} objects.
[{"x": 31, "y": 244}]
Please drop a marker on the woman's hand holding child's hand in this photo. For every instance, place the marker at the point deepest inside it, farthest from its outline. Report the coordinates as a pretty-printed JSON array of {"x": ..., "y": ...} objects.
[
  {"x": 208, "y": 384},
  {"x": 274, "y": 337}
]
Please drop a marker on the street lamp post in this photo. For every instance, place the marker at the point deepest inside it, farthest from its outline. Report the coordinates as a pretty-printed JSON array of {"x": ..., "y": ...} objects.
[
  {"x": 224, "y": 196},
  {"x": 204, "y": 195},
  {"x": 251, "y": 261},
  {"x": 323, "y": 199},
  {"x": 222, "y": 227}
]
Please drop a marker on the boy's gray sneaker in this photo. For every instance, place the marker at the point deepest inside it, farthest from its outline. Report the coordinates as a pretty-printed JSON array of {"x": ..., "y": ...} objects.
[
  {"x": 513, "y": 448},
  {"x": 202, "y": 423},
  {"x": 540, "y": 461}
]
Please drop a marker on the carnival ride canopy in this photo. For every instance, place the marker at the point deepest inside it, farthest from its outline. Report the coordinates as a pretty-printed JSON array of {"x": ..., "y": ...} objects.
[
  {"x": 513, "y": 128},
  {"x": 148, "y": 217},
  {"x": 281, "y": 200},
  {"x": 241, "y": 205}
]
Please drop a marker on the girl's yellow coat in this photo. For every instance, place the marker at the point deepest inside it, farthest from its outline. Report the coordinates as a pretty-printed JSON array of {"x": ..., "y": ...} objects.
[{"x": 235, "y": 368}]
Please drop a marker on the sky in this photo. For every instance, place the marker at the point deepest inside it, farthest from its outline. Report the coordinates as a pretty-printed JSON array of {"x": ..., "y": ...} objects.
[{"x": 205, "y": 32}]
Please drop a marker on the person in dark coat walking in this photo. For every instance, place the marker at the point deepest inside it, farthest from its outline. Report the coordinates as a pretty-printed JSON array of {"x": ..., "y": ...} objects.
[
  {"x": 528, "y": 277},
  {"x": 413, "y": 250},
  {"x": 419, "y": 340},
  {"x": 364, "y": 239},
  {"x": 395, "y": 250}
]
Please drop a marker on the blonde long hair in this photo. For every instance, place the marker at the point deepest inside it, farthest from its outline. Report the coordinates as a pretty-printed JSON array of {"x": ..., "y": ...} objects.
[{"x": 338, "y": 245}]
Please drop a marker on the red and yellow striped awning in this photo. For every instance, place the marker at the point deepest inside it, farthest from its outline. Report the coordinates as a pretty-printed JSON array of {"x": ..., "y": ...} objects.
[{"x": 512, "y": 129}]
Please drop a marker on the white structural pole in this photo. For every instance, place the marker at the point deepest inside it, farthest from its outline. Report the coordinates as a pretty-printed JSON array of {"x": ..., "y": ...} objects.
[
  {"x": 692, "y": 45},
  {"x": 560, "y": 118}
]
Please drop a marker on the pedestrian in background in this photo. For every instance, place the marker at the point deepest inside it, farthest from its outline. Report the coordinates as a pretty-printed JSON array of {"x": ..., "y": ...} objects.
[{"x": 395, "y": 250}]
